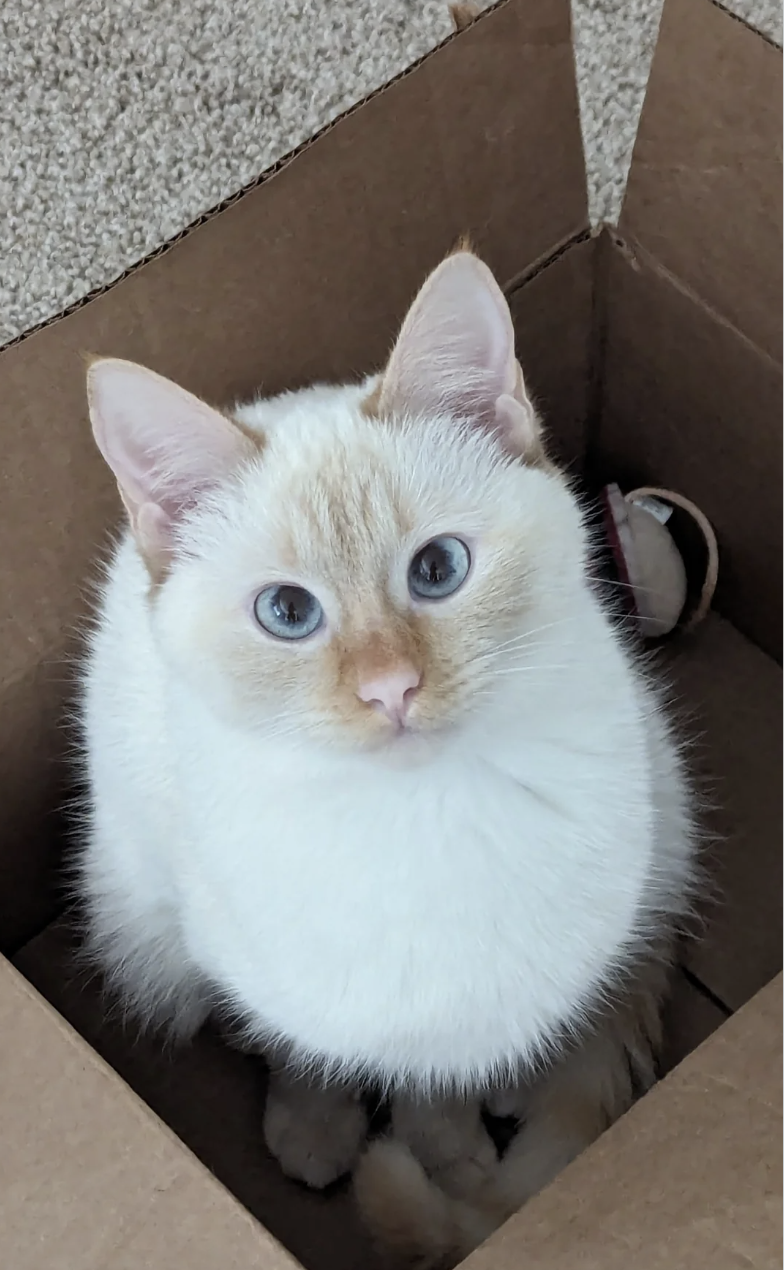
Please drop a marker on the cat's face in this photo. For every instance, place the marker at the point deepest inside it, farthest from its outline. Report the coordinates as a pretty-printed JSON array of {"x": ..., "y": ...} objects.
[
  {"x": 368, "y": 583},
  {"x": 371, "y": 567}
]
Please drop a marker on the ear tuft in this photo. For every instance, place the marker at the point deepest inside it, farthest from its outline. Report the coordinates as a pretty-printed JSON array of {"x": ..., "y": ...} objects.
[{"x": 517, "y": 428}]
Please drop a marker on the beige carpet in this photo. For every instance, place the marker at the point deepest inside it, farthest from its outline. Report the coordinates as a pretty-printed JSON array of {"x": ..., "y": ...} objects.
[{"x": 123, "y": 120}]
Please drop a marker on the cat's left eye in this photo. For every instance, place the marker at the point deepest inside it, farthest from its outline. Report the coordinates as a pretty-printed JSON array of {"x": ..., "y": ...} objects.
[
  {"x": 439, "y": 569},
  {"x": 288, "y": 612}
]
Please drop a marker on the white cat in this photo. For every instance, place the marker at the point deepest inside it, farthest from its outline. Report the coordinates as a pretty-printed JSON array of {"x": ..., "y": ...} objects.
[{"x": 369, "y": 764}]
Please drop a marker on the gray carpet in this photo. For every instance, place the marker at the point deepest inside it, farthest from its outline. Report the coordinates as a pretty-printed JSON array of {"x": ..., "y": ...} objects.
[{"x": 123, "y": 120}]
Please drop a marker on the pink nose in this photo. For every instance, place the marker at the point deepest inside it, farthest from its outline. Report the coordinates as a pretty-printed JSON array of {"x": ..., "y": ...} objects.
[{"x": 392, "y": 693}]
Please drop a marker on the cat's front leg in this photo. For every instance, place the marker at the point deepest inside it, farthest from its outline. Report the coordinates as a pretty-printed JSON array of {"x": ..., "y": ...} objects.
[
  {"x": 448, "y": 1138},
  {"x": 314, "y": 1131}
]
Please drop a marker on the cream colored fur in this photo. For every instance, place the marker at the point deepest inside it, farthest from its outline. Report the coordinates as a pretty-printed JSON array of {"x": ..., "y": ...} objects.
[{"x": 439, "y": 903}]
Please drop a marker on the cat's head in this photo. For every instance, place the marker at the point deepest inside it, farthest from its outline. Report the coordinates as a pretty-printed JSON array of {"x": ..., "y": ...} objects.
[{"x": 361, "y": 565}]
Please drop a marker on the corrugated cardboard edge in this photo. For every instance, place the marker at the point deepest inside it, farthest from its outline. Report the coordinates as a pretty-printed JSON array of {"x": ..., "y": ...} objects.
[{"x": 745, "y": 21}]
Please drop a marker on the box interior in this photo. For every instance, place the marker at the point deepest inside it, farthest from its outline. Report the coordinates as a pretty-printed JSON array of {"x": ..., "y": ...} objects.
[{"x": 653, "y": 352}]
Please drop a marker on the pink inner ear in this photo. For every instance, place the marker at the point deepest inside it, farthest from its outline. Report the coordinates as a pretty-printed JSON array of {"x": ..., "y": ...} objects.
[
  {"x": 455, "y": 353},
  {"x": 165, "y": 446}
]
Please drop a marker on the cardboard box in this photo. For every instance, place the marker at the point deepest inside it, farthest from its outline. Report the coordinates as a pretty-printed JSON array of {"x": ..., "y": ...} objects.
[{"x": 654, "y": 350}]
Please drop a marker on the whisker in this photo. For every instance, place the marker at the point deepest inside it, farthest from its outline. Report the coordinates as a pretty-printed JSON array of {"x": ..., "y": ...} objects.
[
  {"x": 526, "y": 670},
  {"x": 626, "y": 586},
  {"x": 536, "y": 630},
  {"x": 524, "y": 642},
  {"x": 486, "y": 660}
]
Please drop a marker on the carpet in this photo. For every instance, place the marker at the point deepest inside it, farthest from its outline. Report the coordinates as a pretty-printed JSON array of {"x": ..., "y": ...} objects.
[{"x": 123, "y": 120}]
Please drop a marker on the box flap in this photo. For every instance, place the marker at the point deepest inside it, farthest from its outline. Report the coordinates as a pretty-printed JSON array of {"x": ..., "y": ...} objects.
[
  {"x": 704, "y": 192},
  {"x": 690, "y": 1178},
  {"x": 90, "y": 1179}
]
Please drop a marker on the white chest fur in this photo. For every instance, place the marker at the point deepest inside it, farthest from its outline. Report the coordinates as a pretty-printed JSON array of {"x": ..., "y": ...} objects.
[{"x": 440, "y": 920}]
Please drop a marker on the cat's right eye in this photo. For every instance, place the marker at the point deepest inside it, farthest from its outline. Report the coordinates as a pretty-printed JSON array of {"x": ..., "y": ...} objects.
[{"x": 288, "y": 612}]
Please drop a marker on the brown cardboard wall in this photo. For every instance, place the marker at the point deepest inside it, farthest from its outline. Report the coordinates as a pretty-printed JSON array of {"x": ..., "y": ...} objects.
[
  {"x": 690, "y": 404},
  {"x": 704, "y": 193},
  {"x": 690, "y": 1017},
  {"x": 34, "y": 781},
  {"x": 553, "y": 318}
]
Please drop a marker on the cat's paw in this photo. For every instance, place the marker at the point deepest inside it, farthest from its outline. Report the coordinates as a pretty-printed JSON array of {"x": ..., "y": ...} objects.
[
  {"x": 314, "y": 1133},
  {"x": 448, "y": 1139}
]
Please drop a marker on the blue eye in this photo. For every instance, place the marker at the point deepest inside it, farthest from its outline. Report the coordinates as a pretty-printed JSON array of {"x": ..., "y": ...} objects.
[
  {"x": 439, "y": 569},
  {"x": 288, "y": 612}
]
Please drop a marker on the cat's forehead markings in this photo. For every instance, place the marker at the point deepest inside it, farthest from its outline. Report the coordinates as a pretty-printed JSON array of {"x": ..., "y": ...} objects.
[{"x": 342, "y": 514}]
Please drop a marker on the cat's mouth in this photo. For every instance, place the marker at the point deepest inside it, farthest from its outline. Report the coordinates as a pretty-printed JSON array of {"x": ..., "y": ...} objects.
[
  {"x": 395, "y": 733},
  {"x": 407, "y": 739}
]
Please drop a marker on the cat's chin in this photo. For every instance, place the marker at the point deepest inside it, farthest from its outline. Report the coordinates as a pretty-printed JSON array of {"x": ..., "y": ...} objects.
[{"x": 406, "y": 745}]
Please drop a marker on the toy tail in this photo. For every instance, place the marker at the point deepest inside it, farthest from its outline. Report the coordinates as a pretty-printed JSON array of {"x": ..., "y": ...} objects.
[{"x": 409, "y": 1215}]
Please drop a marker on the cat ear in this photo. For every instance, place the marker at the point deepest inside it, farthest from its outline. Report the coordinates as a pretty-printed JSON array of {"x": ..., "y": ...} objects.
[
  {"x": 455, "y": 355},
  {"x": 165, "y": 447}
]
